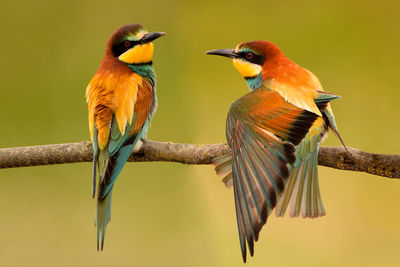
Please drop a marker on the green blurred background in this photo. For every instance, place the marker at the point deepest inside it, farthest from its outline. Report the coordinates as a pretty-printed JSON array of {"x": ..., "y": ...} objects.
[{"x": 167, "y": 214}]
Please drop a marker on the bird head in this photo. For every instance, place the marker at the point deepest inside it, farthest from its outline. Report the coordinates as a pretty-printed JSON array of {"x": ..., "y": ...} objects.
[
  {"x": 132, "y": 44},
  {"x": 251, "y": 59}
]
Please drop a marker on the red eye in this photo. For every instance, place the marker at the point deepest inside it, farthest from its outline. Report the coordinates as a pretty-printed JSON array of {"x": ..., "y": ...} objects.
[
  {"x": 127, "y": 44},
  {"x": 249, "y": 55}
]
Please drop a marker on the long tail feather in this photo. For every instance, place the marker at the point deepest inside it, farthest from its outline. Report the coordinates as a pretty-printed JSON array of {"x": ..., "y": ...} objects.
[
  {"x": 336, "y": 132},
  {"x": 330, "y": 121},
  {"x": 103, "y": 215},
  {"x": 302, "y": 191},
  {"x": 94, "y": 175},
  {"x": 322, "y": 102}
]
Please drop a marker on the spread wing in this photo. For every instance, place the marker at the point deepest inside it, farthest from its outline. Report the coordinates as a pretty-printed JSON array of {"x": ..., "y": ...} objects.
[{"x": 262, "y": 129}]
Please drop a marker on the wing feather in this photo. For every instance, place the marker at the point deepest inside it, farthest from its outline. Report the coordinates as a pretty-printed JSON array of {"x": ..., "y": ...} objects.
[
  {"x": 259, "y": 127},
  {"x": 121, "y": 144},
  {"x": 258, "y": 178}
]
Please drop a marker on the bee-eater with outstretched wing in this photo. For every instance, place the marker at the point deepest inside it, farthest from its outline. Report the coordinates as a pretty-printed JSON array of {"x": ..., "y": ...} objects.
[
  {"x": 274, "y": 133},
  {"x": 121, "y": 99}
]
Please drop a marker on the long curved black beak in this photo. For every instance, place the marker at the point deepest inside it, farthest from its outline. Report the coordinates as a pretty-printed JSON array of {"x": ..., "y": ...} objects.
[
  {"x": 223, "y": 52},
  {"x": 151, "y": 36}
]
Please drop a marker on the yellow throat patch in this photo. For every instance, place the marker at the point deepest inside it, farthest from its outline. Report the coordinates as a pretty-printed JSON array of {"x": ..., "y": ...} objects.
[
  {"x": 245, "y": 68},
  {"x": 138, "y": 54}
]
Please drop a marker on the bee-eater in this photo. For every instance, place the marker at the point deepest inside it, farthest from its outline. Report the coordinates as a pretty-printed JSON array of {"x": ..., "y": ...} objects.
[
  {"x": 121, "y": 100},
  {"x": 274, "y": 133}
]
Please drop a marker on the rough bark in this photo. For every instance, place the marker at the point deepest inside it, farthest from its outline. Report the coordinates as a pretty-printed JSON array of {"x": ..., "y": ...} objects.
[{"x": 333, "y": 157}]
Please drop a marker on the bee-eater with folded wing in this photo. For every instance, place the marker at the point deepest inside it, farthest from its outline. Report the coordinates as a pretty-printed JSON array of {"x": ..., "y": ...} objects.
[
  {"x": 274, "y": 133},
  {"x": 121, "y": 99}
]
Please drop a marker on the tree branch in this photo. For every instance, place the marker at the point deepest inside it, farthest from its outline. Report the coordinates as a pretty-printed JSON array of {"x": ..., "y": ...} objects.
[{"x": 333, "y": 157}]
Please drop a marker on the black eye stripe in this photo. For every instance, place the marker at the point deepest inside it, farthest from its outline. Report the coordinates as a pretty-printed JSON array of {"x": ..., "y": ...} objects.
[
  {"x": 121, "y": 47},
  {"x": 256, "y": 59}
]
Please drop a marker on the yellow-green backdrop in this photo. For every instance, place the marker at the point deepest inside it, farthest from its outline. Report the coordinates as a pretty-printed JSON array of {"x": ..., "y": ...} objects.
[{"x": 167, "y": 214}]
